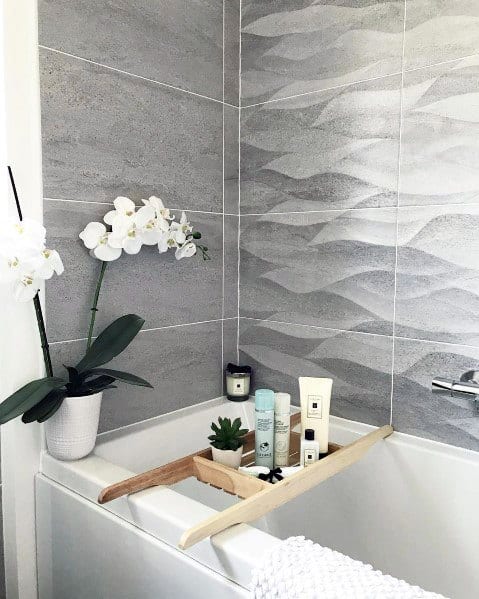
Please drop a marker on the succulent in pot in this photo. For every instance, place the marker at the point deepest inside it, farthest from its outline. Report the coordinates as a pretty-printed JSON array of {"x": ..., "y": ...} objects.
[{"x": 227, "y": 441}]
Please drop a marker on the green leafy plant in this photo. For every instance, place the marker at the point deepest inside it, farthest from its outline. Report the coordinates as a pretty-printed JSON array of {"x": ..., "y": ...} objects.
[
  {"x": 40, "y": 399},
  {"x": 228, "y": 435}
]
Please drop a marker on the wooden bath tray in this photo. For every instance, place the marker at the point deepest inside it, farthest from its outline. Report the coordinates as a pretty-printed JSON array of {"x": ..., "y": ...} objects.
[{"x": 259, "y": 497}]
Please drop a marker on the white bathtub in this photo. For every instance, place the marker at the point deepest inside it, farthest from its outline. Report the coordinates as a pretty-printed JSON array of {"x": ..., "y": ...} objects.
[{"x": 410, "y": 508}]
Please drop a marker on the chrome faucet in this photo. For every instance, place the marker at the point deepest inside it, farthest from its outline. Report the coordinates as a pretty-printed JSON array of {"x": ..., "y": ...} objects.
[{"x": 467, "y": 386}]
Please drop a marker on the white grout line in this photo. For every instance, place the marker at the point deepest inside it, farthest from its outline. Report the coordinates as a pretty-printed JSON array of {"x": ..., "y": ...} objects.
[
  {"x": 111, "y": 204},
  {"x": 257, "y": 214},
  {"x": 170, "y": 326},
  {"x": 322, "y": 89},
  {"x": 401, "y": 104},
  {"x": 223, "y": 219},
  {"x": 359, "y": 81},
  {"x": 319, "y": 328},
  {"x": 239, "y": 180},
  {"x": 105, "y": 66}
]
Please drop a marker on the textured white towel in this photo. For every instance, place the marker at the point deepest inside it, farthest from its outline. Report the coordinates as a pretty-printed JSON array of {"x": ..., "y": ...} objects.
[{"x": 300, "y": 569}]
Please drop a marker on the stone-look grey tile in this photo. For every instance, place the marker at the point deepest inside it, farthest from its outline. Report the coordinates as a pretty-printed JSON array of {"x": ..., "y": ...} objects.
[
  {"x": 298, "y": 46},
  {"x": 231, "y": 51},
  {"x": 107, "y": 134},
  {"x": 182, "y": 363},
  {"x": 418, "y": 411},
  {"x": 3, "y": 590},
  {"x": 437, "y": 296},
  {"x": 330, "y": 269},
  {"x": 333, "y": 149},
  {"x": 440, "y": 30},
  {"x": 439, "y": 147},
  {"x": 156, "y": 286},
  {"x": 231, "y": 232},
  {"x": 231, "y": 159},
  {"x": 177, "y": 42},
  {"x": 360, "y": 365}
]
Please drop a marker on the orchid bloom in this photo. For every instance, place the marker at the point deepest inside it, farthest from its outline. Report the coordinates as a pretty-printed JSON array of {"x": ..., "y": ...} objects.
[
  {"x": 185, "y": 251},
  {"x": 127, "y": 233},
  {"x": 24, "y": 259},
  {"x": 96, "y": 238},
  {"x": 124, "y": 209}
]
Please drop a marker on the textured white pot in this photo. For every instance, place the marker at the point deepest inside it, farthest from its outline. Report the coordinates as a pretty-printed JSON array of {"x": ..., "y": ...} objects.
[
  {"x": 71, "y": 432},
  {"x": 228, "y": 457}
]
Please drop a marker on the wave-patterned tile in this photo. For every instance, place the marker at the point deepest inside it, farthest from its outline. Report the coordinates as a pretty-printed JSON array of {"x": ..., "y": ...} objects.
[
  {"x": 437, "y": 295},
  {"x": 292, "y": 47},
  {"x": 329, "y": 269},
  {"x": 331, "y": 149},
  {"x": 440, "y": 137},
  {"x": 440, "y": 30},
  {"x": 418, "y": 411},
  {"x": 280, "y": 353}
]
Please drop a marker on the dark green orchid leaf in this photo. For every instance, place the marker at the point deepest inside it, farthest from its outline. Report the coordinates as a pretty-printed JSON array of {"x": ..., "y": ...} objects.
[
  {"x": 111, "y": 342},
  {"x": 125, "y": 377},
  {"x": 46, "y": 407},
  {"x": 27, "y": 397},
  {"x": 72, "y": 373}
]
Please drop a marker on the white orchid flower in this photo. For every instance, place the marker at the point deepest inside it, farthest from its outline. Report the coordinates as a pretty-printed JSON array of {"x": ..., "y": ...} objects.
[
  {"x": 26, "y": 287},
  {"x": 96, "y": 238},
  {"x": 181, "y": 229},
  {"x": 128, "y": 233},
  {"x": 124, "y": 209},
  {"x": 186, "y": 251},
  {"x": 159, "y": 207},
  {"x": 50, "y": 263},
  {"x": 154, "y": 229},
  {"x": 172, "y": 238},
  {"x": 22, "y": 239}
]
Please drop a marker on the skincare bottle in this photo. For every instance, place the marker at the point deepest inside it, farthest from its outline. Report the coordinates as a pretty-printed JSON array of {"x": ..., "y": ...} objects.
[
  {"x": 282, "y": 403},
  {"x": 264, "y": 427},
  {"x": 309, "y": 448},
  {"x": 315, "y": 397}
]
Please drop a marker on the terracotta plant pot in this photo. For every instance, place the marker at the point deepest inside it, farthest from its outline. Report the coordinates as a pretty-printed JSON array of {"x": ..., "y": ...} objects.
[
  {"x": 228, "y": 457},
  {"x": 71, "y": 432}
]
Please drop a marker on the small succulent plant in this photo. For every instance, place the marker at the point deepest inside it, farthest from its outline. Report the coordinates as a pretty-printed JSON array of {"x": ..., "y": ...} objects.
[{"x": 228, "y": 435}]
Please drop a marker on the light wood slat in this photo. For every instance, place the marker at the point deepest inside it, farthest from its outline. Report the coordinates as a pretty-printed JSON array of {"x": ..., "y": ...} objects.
[
  {"x": 261, "y": 503},
  {"x": 171, "y": 473},
  {"x": 228, "y": 479}
]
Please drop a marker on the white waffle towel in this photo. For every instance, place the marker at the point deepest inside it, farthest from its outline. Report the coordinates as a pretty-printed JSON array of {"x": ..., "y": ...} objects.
[{"x": 300, "y": 569}]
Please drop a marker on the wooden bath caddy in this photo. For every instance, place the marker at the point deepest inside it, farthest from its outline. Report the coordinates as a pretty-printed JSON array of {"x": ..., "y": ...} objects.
[{"x": 259, "y": 497}]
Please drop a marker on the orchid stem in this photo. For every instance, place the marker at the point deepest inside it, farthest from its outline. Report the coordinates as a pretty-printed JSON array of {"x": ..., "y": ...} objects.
[
  {"x": 36, "y": 300},
  {"x": 94, "y": 308},
  {"x": 43, "y": 335}
]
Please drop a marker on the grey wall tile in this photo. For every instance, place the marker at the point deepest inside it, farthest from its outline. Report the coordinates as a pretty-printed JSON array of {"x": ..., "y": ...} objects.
[
  {"x": 231, "y": 159},
  {"x": 331, "y": 269},
  {"x": 107, "y": 134},
  {"x": 298, "y": 46},
  {"x": 182, "y": 363},
  {"x": 416, "y": 410},
  {"x": 439, "y": 149},
  {"x": 439, "y": 30},
  {"x": 156, "y": 286},
  {"x": 177, "y": 42},
  {"x": 332, "y": 149},
  {"x": 231, "y": 51},
  {"x": 360, "y": 365},
  {"x": 231, "y": 232},
  {"x": 438, "y": 274}
]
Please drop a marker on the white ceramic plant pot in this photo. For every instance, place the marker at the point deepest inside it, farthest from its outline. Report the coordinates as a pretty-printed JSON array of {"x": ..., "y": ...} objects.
[
  {"x": 228, "y": 457},
  {"x": 71, "y": 432}
]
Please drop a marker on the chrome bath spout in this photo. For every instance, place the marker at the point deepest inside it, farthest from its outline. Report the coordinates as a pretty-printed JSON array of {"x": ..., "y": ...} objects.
[{"x": 467, "y": 386}]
